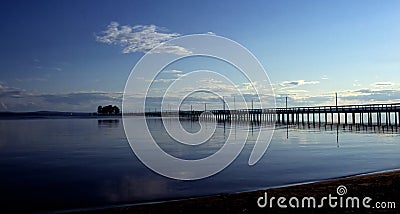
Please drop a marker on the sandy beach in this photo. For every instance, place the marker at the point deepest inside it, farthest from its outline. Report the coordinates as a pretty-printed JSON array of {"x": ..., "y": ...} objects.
[{"x": 382, "y": 187}]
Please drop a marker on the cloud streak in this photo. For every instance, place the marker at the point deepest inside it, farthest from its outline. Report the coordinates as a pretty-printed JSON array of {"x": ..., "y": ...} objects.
[
  {"x": 17, "y": 99},
  {"x": 140, "y": 38},
  {"x": 382, "y": 84},
  {"x": 296, "y": 83},
  {"x": 373, "y": 96},
  {"x": 173, "y": 71}
]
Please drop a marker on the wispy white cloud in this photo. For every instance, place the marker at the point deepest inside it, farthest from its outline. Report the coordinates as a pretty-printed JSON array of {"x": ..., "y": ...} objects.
[
  {"x": 356, "y": 83},
  {"x": 30, "y": 79},
  {"x": 56, "y": 69},
  {"x": 367, "y": 96},
  {"x": 348, "y": 97},
  {"x": 140, "y": 38},
  {"x": 17, "y": 99},
  {"x": 211, "y": 81},
  {"x": 7, "y": 91},
  {"x": 162, "y": 80},
  {"x": 296, "y": 91},
  {"x": 46, "y": 68},
  {"x": 382, "y": 84},
  {"x": 296, "y": 83},
  {"x": 173, "y": 71}
]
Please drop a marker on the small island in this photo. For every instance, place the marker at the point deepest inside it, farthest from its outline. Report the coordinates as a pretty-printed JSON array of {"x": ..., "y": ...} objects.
[{"x": 108, "y": 110}]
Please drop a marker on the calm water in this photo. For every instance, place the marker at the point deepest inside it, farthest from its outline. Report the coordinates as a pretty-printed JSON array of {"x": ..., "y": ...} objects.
[{"x": 58, "y": 164}]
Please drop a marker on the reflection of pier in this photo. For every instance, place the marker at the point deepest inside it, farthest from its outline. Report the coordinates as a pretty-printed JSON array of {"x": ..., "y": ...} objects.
[{"x": 380, "y": 115}]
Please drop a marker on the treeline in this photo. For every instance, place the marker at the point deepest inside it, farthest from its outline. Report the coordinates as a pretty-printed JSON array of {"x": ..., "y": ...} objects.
[{"x": 108, "y": 110}]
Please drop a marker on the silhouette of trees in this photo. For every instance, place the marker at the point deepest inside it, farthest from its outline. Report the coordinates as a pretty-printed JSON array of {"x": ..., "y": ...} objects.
[
  {"x": 108, "y": 110},
  {"x": 116, "y": 109}
]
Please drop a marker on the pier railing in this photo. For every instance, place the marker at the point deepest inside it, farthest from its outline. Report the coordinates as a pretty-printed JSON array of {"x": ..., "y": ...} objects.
[{"x": 370, "y": 115}]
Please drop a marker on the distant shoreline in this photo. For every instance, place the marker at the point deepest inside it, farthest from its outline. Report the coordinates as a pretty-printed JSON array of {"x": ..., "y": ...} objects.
[{"x": 53, "y": 114}]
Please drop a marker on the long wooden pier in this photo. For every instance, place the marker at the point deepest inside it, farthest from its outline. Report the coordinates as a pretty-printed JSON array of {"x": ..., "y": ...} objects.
[{"x": 365, "y": 115}]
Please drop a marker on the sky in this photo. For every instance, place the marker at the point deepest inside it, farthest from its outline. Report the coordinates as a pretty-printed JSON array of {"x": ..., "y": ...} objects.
[{"x": 75, "y": 55}]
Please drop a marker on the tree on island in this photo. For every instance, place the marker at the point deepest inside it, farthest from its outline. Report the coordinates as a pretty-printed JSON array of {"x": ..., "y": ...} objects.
[{"x": 108, "y": 110}]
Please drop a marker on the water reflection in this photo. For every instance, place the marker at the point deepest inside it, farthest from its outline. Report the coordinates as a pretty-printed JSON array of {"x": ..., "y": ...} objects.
[
  {"x": 108, "y": 123},
  {"x": 133, "y": 187},
  {"x": 184, "y": 151},
  {"x": 252, "y": 126},
  {"x": 91, "y": 163},
  {"x": 225, "y": 127}
]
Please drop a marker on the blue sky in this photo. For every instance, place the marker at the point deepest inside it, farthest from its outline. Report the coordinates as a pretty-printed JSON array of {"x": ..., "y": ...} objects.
[{"x": 52, "y": 58}]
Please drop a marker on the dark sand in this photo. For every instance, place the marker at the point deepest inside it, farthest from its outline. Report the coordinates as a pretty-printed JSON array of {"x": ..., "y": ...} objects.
[{"x": 381, "y": 187}]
